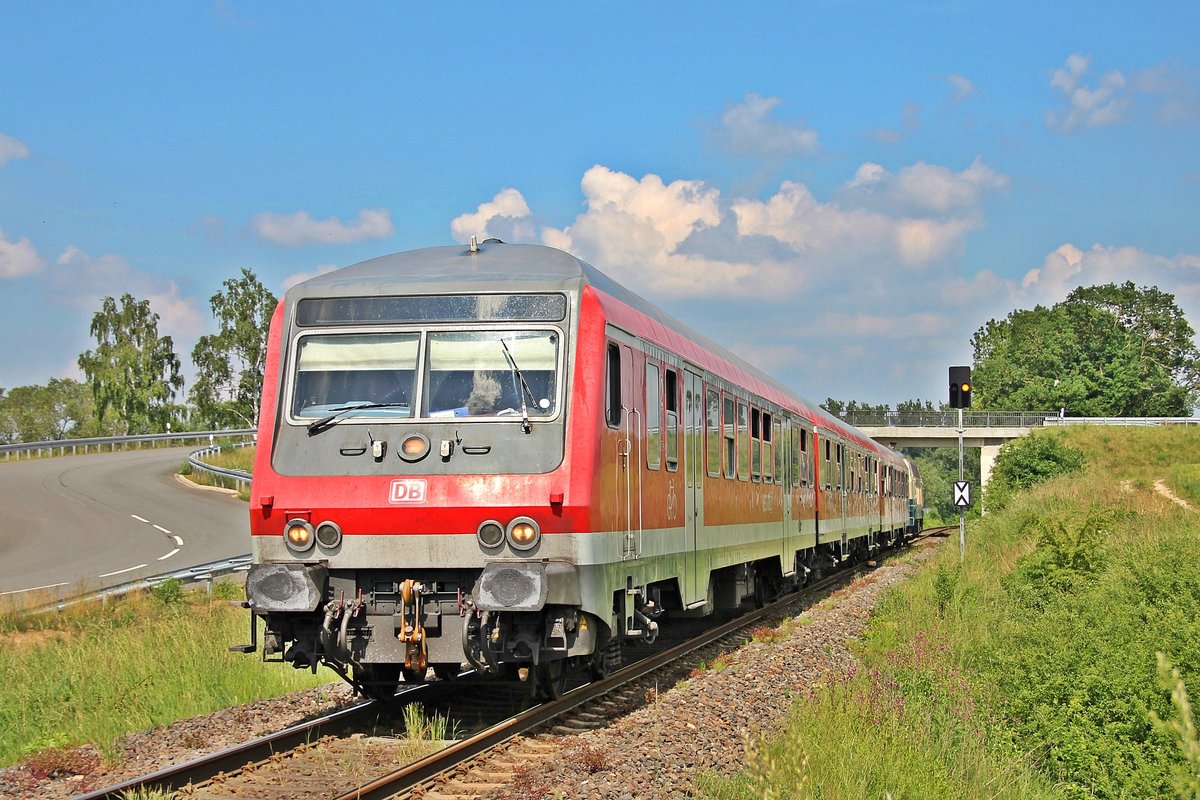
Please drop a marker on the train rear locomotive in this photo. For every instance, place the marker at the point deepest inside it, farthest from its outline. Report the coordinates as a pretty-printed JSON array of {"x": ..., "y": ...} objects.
[{"x": 496, "y": 456}]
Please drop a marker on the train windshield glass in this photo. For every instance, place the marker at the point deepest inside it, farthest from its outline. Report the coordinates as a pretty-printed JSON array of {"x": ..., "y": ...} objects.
[
  {"x": 492, "y": 374},
  {"x": 377, "y": 371}
]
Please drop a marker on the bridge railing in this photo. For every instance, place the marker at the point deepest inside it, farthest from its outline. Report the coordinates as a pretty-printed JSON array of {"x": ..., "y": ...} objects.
[
  {"x": 949, "y": 419},
  {"x": 997, "y": 419}
]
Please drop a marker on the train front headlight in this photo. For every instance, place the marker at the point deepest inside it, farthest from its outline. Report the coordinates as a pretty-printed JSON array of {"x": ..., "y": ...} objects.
[
  {"x": 299, "y": 535},
  {"x": 329, "y": 534},
  {"x": 490, "y": 534},
  {"x": 523, "y": 533}
]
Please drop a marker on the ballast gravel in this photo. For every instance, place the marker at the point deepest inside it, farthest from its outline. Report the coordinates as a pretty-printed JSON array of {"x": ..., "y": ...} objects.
[{"x": 654, "y": 753}]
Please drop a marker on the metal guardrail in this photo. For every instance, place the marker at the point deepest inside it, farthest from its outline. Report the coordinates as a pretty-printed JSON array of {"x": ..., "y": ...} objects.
[
  {"x": 222, "y": 475},
  {"x": 1130, "y": 421},
  {"x": 112, "y": 443},
  {"x": 203, "y": 573}
]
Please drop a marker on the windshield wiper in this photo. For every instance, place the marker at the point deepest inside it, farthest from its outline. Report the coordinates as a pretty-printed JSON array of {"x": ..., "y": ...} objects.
[
  {"x": 318, "y": 425},
  {"x": 527, "y": 391}
]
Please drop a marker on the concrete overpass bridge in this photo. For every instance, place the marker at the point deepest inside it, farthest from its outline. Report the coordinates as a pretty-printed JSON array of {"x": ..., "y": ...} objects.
[{"x": 987, "y": 430}]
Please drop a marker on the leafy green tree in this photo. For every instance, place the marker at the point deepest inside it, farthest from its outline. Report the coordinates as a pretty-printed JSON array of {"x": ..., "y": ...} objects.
[
  {"x": 230, "y": 363},
  {"x": 1104, "y": 351},
  {"x": 59, "y": 409},
  {"x": 133, "y": 372}
]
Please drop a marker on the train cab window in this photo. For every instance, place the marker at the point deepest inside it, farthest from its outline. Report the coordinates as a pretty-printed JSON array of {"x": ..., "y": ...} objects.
[
  {"x": 671, "y": 396},
  {"x": 491, "y": 374},
  {"x": 729, "y": 432},
  {"x": 376, "y": 370},
  {"x": 653, "y": 418},
  {"x": 755, "y": 444},
  {"x": 712, "y": 432},
  {"x": 612, "y": 410},
  {"x": 743, "y": 421}
]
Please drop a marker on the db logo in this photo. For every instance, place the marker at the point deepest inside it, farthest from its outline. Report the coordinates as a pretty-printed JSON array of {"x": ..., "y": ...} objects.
[{"x": 408, "y": 490}]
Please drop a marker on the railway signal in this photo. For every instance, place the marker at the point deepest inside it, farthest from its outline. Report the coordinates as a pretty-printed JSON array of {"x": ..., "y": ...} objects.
[{"x": 960, "y": 387}]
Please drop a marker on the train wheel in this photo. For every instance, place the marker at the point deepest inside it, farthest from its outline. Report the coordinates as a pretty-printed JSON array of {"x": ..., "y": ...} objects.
[
  {"x": 377, "y": 680},
  {"x": 446, "y": 672},
  {"x": 606, "y": 660},
  {"x": 548, "y": 680}
]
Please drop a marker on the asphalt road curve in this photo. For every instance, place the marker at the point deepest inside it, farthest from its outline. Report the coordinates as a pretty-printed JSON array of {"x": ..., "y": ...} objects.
[{"x": 93, "y": 521}]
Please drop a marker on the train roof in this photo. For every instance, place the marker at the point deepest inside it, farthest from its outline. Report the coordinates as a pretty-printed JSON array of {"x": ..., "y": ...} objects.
[{"x": 525, "y": 267}]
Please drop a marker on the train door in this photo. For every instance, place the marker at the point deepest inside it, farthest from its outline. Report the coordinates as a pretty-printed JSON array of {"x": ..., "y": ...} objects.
[
  {"x": 624, "y": 411},
  {"x": 783, "y": 480},
  {"x": 693, "y": 468},
  {"x": 840, "y": 471}
]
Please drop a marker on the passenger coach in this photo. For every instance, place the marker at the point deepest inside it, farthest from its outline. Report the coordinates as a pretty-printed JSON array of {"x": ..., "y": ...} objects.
[{"x": 496, "y": 455}]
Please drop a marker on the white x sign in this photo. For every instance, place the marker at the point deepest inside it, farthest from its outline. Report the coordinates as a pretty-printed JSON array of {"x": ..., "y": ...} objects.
[{"x": 962, "y": 493}]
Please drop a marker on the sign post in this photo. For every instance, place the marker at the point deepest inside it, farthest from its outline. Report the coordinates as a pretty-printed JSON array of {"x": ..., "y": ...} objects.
[{"x": 960, "y": 398}]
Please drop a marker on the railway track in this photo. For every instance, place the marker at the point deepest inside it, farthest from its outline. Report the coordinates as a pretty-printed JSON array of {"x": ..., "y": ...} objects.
[{"x": 362, "y": 751}]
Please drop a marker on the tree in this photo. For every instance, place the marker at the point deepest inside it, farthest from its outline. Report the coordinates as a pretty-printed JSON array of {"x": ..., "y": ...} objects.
[
  {"x": 1104, "y": 351},
  {"x": 44, "y": 413},
  {"x": 133, "y": 372},
  {"x": 230, "y": 363}
]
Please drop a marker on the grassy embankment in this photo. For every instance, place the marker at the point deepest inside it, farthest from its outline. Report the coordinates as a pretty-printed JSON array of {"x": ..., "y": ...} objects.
[
  {"x": 1031, "y": 670},
  {"x": 94, "y": 672}
]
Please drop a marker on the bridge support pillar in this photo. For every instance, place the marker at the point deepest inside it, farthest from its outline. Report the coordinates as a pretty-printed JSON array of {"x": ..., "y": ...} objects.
[{"x": 987, "y": 460}]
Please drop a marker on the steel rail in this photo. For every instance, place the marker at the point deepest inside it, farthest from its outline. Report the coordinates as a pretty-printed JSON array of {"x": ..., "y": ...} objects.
[{"x": 205, "y": 767}]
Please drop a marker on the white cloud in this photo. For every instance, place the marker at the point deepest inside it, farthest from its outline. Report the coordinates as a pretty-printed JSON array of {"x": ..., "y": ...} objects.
[
  {"x": 505, "y": 217},
  {"x": 1069, "y": 267},
  {"x": 1094, "y": 106},
  {"x": 300, "y": 228},
  {"x": 963, "y": 88},
  {"x": 11, "y": 149},
  {"x": 18, "y": 259},
  {"x": 745, "y": 128},
  {"x": 80, "y": 281}
]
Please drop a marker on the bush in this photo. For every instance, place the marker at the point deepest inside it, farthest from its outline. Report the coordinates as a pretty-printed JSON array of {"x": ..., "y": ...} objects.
[{"x": 1028, "y": 461}]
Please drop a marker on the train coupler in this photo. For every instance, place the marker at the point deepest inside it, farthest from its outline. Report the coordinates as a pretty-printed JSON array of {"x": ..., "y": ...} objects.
[{"x": 412, "y": 631}]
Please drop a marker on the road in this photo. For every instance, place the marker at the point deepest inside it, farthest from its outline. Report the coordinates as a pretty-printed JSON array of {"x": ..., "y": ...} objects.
[{"x": 93, "y": 521}]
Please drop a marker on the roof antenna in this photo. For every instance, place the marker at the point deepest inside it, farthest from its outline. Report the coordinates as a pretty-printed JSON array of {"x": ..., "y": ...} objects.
[{"x": 474, "y": 244}]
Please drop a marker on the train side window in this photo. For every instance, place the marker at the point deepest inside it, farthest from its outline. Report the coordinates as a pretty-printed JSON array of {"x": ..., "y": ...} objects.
[
  {"x": 799, "y": 456},
  {"x": 768, "y": 456},
  {"x": 730, "y": 438},
  {"x": 743, "y": 422},
  {"x": 828, "y": 465},
  {"x": 780, "y": 445},
  {"x": 712, "y": 404},
  {"x": 612, "y": 411},
  {"x": 653, "y": 417},
  {"x": 755, "y": 444},
  {"x": 671, "y": 395},
  {"x": 841, "y": 469}
]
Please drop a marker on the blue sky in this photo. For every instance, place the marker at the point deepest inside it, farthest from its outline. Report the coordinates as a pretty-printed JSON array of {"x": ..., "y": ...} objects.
[{"x": 842, "y": 192}]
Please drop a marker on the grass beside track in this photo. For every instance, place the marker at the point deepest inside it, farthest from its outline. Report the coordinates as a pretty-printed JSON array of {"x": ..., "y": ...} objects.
[
  {"x": 1030, "y": 670},
  {"x": 95, "y": 672}
]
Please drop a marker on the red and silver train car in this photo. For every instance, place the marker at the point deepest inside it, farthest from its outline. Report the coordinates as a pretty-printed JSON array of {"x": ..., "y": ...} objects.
[{"x": 496, "y": 455}]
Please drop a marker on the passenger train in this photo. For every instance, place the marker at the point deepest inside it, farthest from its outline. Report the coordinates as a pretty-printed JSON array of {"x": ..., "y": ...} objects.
[{"x": 495, "y": 455}]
